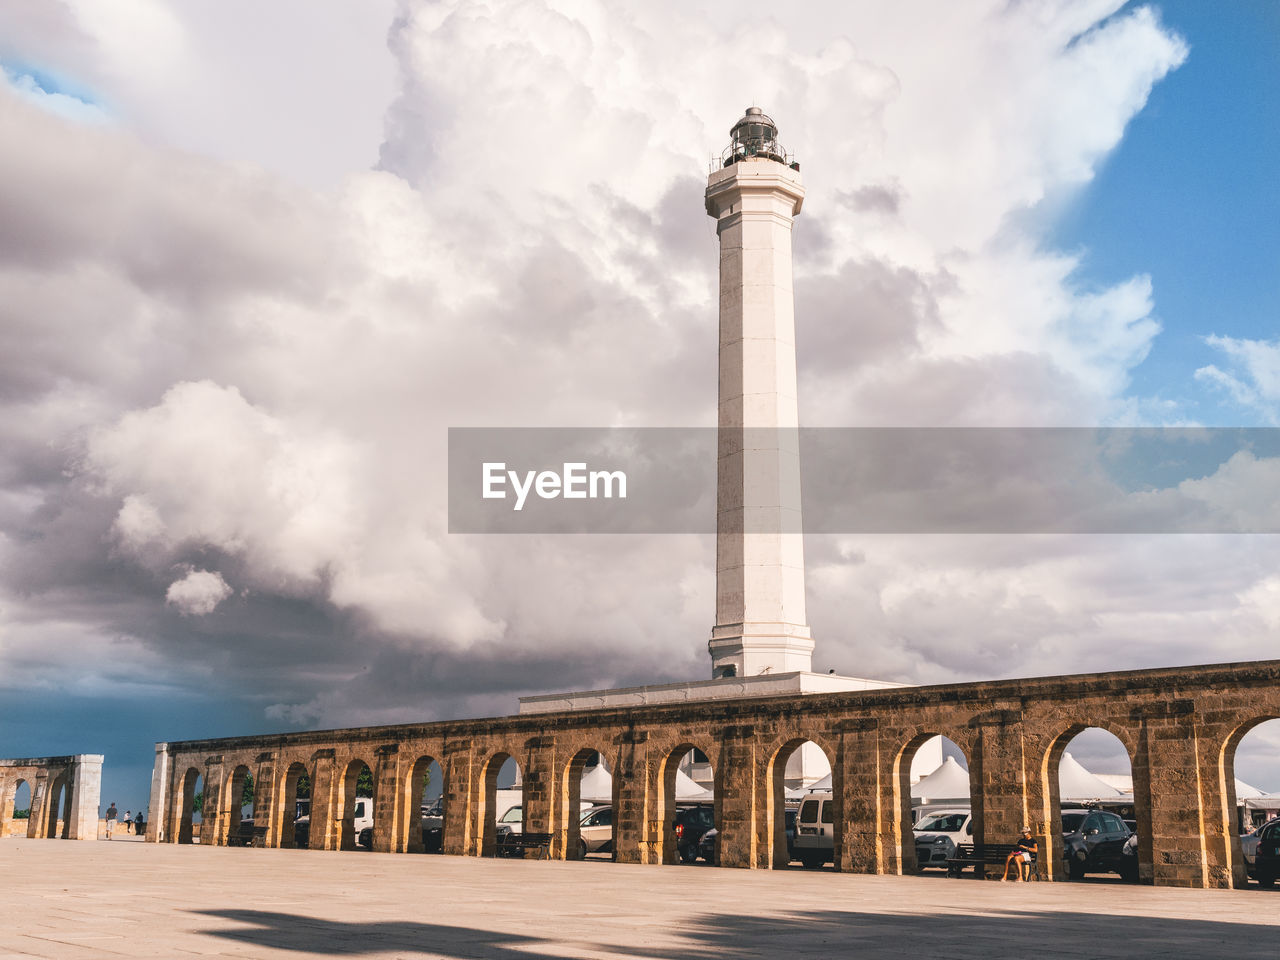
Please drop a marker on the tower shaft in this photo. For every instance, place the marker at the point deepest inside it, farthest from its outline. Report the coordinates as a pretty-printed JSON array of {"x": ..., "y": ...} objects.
[{"x": 761, "y": 626}]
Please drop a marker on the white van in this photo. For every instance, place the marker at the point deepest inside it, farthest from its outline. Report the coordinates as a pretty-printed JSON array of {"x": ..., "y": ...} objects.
[{"x": 815, "y": 830}]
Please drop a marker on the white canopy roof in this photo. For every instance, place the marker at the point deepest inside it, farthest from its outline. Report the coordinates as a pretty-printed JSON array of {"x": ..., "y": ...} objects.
[
  {"x": 1077, "y": 783},
  {"x": 1246, "y": 792},
  {"x": 688, "y": 789},
  {"x": 948, "y": 784},
  {"x": 597, "y": 785}
]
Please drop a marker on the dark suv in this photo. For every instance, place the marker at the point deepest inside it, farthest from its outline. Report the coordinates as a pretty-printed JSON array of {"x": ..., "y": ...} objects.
[
  {"x": 690, "y": 824},
  {"x": 1266, "y": 861},
  {"x": 1095, "y": 841}
]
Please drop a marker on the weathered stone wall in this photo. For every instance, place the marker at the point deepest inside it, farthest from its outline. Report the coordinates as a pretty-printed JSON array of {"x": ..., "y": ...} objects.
[
  {"x": 1180, "y": 727},
  {"x": 75, "y": 780}
]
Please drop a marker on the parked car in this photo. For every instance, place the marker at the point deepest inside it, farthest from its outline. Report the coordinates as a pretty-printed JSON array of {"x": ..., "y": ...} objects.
[
  {"x": 1266, "y": 859},
  {"x": 815, "y": 830},
  {"x": 690, "y": 826},
  {"x": 707, "y": 847},
  {"x": 1095, "y": 841},
  {"x": 938, "y": 833},
  {"x": 596, "y": 829}
]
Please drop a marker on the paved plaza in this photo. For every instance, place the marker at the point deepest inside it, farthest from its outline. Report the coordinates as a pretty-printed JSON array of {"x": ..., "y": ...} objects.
[{"x": 80, "y": 900}]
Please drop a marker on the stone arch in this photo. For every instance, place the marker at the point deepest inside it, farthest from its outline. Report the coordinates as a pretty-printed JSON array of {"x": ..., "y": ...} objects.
[
  {"x": 347, "y": 799},
  {"x": 486, "y": 832},
  {"x": 287, "y": 805},
  {"x": 414, "y": 825},
  {"x": 1050, "y": 854},
  {"x": 666, "y": 797},
  {"x": 58, "y": 806},
  {"x": 774, "y": 852},
  {"x": 232, "y": 809},
  {"x": 1232, "y": 853},
  {"x": 9, "y": 805},
  {"x": 567, "y": 819},
  {"x": 186, "y": 804},
  {"x": 903, "y": 848}
]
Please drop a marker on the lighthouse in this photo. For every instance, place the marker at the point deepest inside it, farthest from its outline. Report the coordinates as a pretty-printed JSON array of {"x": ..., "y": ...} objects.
[{"x": 754, "y": 194}]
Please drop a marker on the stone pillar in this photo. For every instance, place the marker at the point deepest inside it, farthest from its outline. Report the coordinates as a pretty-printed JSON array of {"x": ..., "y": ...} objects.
[
  {"x": 266, "y": 808},
  {"x": 637, "y": 827},
  {"x": 37, "y": 827},
  {"x": 859, "y": 781},
  {"x": 761, "y": 624},
  {"x": 997, "y": 779},
  {"x": 457, "y": 765},
  {"x": 738, "y": 780},
  {"x": 539, "y": 785},
  {"x": 388, "y": 801},
  {"x": 1166, "y": 781},
  {"x": 158, "y": 819},
  {"x": 212, "y": 822},
  {"x": 85, "y": 786},
  {"x": 326, "y": 833}
]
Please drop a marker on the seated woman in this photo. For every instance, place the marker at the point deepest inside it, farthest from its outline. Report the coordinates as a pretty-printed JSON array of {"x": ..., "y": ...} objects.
[{"x": 1021, "y": 856}]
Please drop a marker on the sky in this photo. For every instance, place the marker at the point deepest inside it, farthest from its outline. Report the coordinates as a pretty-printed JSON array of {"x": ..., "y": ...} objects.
[{"x": 255, "y": 260}]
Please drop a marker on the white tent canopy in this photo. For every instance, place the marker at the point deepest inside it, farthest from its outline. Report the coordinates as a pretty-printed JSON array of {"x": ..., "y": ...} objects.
[
  {"x": 1076, "y": 783},
  {"x": 688, "y": 789},
  {"x": 821, "y": 784},
  {"x": 948, "y": 784},
  {"x": 597, "y": 785},
  {"x": 1246, "y": 792}
]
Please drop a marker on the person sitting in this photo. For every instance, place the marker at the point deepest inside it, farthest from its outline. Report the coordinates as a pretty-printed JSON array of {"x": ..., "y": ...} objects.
[{"x": 1022, "y": 856}]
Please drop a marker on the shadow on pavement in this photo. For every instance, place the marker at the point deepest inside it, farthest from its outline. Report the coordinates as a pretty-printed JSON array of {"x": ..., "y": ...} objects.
[{"x": 824, "y": 933}]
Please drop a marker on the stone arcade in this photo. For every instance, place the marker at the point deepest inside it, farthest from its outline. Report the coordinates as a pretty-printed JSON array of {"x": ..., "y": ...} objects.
[{"x": 64, "y": 795}]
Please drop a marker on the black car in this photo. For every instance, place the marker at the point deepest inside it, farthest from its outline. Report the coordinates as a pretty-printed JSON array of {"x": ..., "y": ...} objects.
[
  {"x": 690, "y": 826},
  {"x": 1095, "y": 841},
  {"x": 1266, "y": 862}
]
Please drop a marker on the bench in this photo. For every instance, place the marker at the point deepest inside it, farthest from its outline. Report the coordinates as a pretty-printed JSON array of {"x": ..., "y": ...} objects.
[
  {"x": 513, "y": 844},
  {"x": 244, "y": 834},
  {"x": 990, "y": 854}
]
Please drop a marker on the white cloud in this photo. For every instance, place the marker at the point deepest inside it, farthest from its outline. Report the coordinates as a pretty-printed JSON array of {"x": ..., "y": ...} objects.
[
  {"x": 208, "y": 364},
  {"x": 198, "y": 593},
  {"x": 1252, "y": 378}
]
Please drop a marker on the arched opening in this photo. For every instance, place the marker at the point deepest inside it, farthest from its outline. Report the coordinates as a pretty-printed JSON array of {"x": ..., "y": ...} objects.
[
  {"x": 58, "y": 811},
  {"x": 295, "y": 807},
  {"x": 588, "y": 800},
  {"x": 799, "y": 771},
  {"x": 239, "y": 806},
  {"x": 425, "y": 807},
  {"x": 356, "y": 811},
  {"x": 933, "y": 796},
  {"x": 502, "y": 814},
  {"x": 15, "y": 810},
  {"x": 192, "y": 800},
  {"x": 1249, "y": 780},
  {"x": 1094, "y": 824},
  {"x": 690, "y": 807}
]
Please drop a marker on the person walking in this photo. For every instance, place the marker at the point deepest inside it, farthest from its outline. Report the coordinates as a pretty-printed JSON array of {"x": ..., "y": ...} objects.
[{"x": 112, "y": 813}]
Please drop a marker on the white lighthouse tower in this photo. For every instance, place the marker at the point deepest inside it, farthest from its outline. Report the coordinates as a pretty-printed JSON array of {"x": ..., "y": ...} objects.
[
  {"x": 760, "y": 627},
  {"x": 760, "y": 645}
]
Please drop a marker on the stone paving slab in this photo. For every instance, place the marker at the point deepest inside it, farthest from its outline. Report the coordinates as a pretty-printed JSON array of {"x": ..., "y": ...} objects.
[{"x": 63, "y": 899}]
